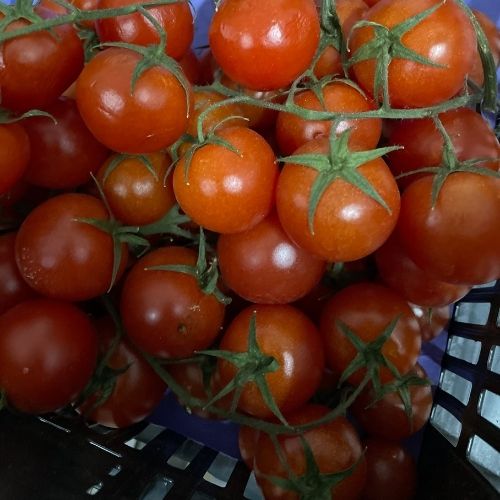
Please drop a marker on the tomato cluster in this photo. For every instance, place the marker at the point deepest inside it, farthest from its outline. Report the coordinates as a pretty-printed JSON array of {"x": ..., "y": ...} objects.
[{"x": 271, "y": 230}]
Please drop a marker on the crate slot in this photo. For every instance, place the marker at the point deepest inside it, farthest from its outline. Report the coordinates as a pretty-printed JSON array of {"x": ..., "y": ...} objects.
[
  {"x": 490, "y": 284},
  {"x": 498, "y": 318},
  {"x": 158, "y": 488},
  {"x": 473, "y": 313},
  {"x": 446, "y": 423},
  {"x": 100, "y": 429},
  {"x": 115, "y": 470},
  {"x": 459, "y": 387},
  {"x": 104, "y": 448},
  {"x": 489, "y": 407},
  {"x": 53, "y": 424},
  {"x": 465, "y": 349},
  {"x": 220, "y": 471},
  {"x": 485, "y": 459},
  {"x": 199, "y": 495},
  {"x": 252, "y": 490},
  {"x": 96, "y": 488},
  {"x": 494, "y": 359},
  {"x": 185, "y": 454},
  {"x": 147, "y": 435}
]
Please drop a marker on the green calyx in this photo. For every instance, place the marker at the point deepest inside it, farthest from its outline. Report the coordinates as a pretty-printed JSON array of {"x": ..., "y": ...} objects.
[
  {"x": 120, "y": 157},
  {"x": 7, "y": 116},
  {"x": 339, "y": 163}
]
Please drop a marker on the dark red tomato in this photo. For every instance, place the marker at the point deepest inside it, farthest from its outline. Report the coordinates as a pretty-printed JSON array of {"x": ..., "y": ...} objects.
[
  {"x": 432, "y": 320},
  {"x": 401, "y": 274},
  {"x": 312, "y": 304},
  {"x": 339, "y": 97},
  {"x": 272, "y": 50},
  {"x": 390, "y": 470},
  {"x": 36, "y": 69},
  {"x": 65, "y": 153},
  {"x": 446, "y": 38},
  {"x": 14, "y": 154},
  {"x": 64, "y": 258},
  {"x": 263, "y": 265},
  {"x": 367, "y": 309},
  {"x": 48, "y": 351},
  {"x": 208, "y": 67},
  {"x": 226, "y": 192},
  {"x": 191, "y": 67},
  {"x": 13, "y": 289},
  {"x": 247, "y": 442},
  {"x": 469, "y": 132},
  {"x": 165, "y": 313},
  {"x": 371, "y": 3},
  {"x": 136, "y": 197},
  {"x": 335, "y": 446},
  {"x": 151, "y": 118},
  {"x": 457, "y": 240},
  {"x": 348, "y": 224},
  {"x": 175, "y": 18},
  {"x": 387, "y": 418},
  {"x": 286, "y": 334},
  {"x": 136, "y": 392}
]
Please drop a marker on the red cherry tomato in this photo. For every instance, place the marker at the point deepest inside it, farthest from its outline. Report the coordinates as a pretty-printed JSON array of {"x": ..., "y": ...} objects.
[
  {"x": 14, "y": 155},
  {"x": 432, "y": 320},
  {"x": 247, "y": 442}
]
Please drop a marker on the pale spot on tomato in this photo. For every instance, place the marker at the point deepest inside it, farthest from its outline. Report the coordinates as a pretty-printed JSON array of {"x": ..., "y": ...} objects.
[
  {"x": 351, "y": 212},
  {"x": 232, "y": 184},
  {"x": 284, "y": 256},
  {"x": 208, "y": 187}
]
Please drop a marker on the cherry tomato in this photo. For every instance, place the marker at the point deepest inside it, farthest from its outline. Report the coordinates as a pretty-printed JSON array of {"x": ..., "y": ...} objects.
[
  {"x": 335, "y": 447},
  {"x": 457, "y": 240},
  {"x": 390, "y": 470},
  {"x": 65, "y": 153},
  {"x": 165, "y": 313},
  {"x": 48, "y": 351},
  {"x": 151, "y": 118},
  {"x": 191, "y": 67},
  {"x": 401, "y": 274},
  {"x": 272, "y": 50},
  {"x": 226, "y": 192},
  {"x": 247, "y": 443},
  {"x": 62, "y": 257},
  {"x": 432, "y": 320},
  {"x": 446, "y": 37},
  {"x": 348, "y": 224},
  {"x": 286, "y": 334},
  {"x": 35, "y": 69},
  {"x": 14, "y": 155},
  {"x": 264, "y": 266},
  {"x": 367, "y": 309}
]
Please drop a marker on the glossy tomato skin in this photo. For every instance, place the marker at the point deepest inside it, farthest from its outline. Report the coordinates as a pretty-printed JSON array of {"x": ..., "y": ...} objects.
[
  {"x": 367, "y": 309},
  {"x": 15, "y": 153},
  {"x": 390, "y": 470},
  {"x": 46, "y": 62},
  {"x": 13, "y": 288},
  {"x": 335, "y": 447},
  {"x": 292, "y": 339},
  {"x": 293, "y": 131},
  {"x": 432, "y": 320},
  {"x": 273, "y": 49},
  {"x": 176, "y": 19},
  {"x": 48, "y": 350},
  {"x": 247, "y": 443},
  {"x": 401, "y": 274},
  {"x": 137, "y": 391},
  {"x": 446, "y": 37},
  {"x": 457, "y": 240},
  {"x": 348, "y": 225},
  {"x": 64, "y": 258},
  {"x": 224, "y": 192},
  {"x": 422, "y": 143},
  {"x": 263, "y": 265},
  {"x": 65, "y": 153},
  {"x": 165, "y": 313},
  {"x": 135, "y": 196},
  {"x": 150, "y": 119}
]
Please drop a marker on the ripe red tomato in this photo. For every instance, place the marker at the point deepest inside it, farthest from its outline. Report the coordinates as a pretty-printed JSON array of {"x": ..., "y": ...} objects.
[
  {"x": 335, "y": 447},
  {"x": 367, "y": 309},
  {"x": 165, "y": 313},
  {"x": 401, "y": 274},
  {"x": 136, "y": 392},
  {"x": 151, "y": 118},
  {"x": 48, "y": 351},
  {"x": 226, "y": 192},
  {"x": 191, "y": 67},
  {"x": 135, "y": 196},
  {"x": 446, "y": 37},
  {"x": 272, "y": 50},
  {"x": 14, "y": 154},
  {"x": 457, "y": 240},
  {"x": 286, "y": 334},
  {"x": 247, "y": 443},
  {"x": 348, "y": 224},
  {"x": 63, "y": 154},
  {"x": 387, "y": 418},
  {"x": 61, "y": 257},
  {"x": 432, "y": 320},
  {"x": 36, "y": 69},
  {"x": 175, "y": 18},
  {"x": 339, "y": 97},
  {"x": 390, "y": 471},
  {"x": 263, "y": 265}
]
